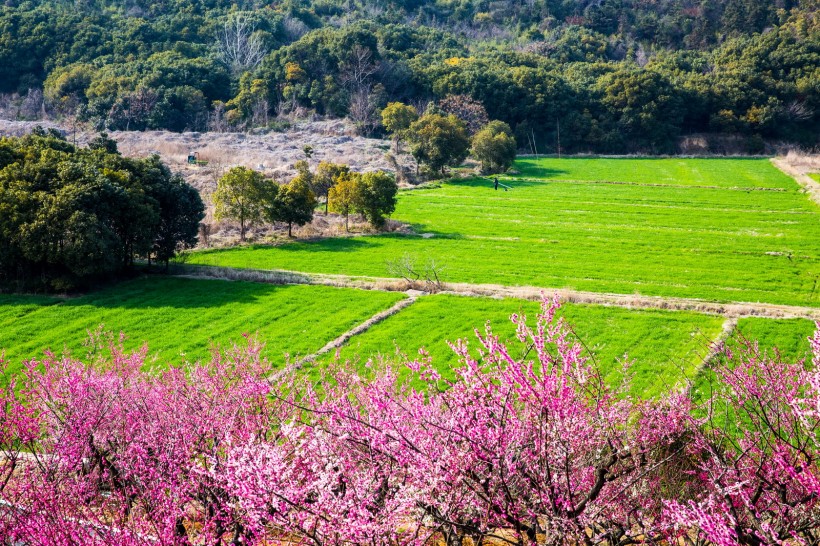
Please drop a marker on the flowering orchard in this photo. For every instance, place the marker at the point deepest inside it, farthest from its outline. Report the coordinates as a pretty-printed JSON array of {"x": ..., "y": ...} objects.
[{"x": 527, "y": 446}]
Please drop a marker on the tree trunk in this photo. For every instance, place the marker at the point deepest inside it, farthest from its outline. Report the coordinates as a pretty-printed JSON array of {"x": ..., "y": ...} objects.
[
  {"x": 242, "y": 229},
  {"x": 290, "y": 229}
]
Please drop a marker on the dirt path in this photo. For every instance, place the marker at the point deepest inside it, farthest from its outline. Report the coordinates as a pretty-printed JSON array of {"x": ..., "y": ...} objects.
[
  {"x": 800, "y": 173},
  {"x": 716, "y": 347},
  {"x": 361, "y": 328},
  {"x": 627, "y": 301}
]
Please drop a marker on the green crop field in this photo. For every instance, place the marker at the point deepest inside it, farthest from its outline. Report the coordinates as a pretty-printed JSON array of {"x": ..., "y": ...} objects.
[
  {"x": 665, "y": 346},
  {"x": 716, "y": 229},
  {"x": 789, "y": 336},
  {"x": 181, "y": 316},
  {"x": 719, "y": 173}
]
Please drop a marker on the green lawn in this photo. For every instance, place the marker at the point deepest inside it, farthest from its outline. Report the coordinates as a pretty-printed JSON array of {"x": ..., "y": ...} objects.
[
  {"x": 717, "y": 229},
  {"x": 815, "y": 176},
  {"x": 664, "y": 345},
  {"x": 789, "y": 336},
  {"x": 181, "y": 316}
]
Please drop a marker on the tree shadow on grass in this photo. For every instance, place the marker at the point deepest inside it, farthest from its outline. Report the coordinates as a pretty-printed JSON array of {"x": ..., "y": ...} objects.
[
  {"x": 487, "y": 184},
  {"x": 177, "y": 293},
  {"x": 330, "y": 244},
  {"x": 535, "y": 168}
]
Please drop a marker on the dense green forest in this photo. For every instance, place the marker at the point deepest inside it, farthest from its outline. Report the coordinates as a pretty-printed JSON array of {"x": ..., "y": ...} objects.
[
  {"x": 585, "y": 75},
  {"x": 71, "y": 217}
]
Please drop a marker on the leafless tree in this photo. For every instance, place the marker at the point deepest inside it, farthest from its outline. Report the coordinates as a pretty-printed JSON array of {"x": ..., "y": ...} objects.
[
  {"x": 364, "y": 109},
  {"x": 426, "y": 276},
  {"x": 294, "y": 28},
  {"x": 359, "y": 68},
  {"x": 240, "y": 48},
  {"x": 261, "y": 107},
  {"x": 799, "y": 111},
  {"x": 217, "y": 121}
]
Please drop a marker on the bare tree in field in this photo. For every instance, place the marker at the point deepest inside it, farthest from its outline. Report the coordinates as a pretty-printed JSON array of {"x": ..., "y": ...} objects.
[{"x": 239, "y": 47}]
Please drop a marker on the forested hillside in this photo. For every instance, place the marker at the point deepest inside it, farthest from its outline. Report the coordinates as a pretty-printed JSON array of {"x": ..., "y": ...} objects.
[{"x": 585, "y": 75}]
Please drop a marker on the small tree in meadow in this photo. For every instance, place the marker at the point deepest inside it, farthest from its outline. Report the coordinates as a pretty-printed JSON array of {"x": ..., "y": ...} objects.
[
  {"x": 325, "y": 177},
  {"x": 494, "y": 146},
  {"x": 343, "y": 196},
  {"x": 243, "y": 194},
  {"x": 294, "y": 204},
  {"x": 439, "y": 141},
  {"x": 376, "y": 197},
  {"x": 397, "y": 118}
]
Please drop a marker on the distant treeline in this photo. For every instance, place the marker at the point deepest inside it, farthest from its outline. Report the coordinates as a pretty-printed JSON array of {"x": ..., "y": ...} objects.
[{"x": 605, "y": 75}]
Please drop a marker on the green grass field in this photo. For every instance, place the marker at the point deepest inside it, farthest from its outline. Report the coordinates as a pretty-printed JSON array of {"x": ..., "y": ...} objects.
[
  {"x": 716, "y": 229},
  {"x": 719, "y": 173},
  {"x": 815, "y": 176},
  {"x": 665, "y": 346},
  {"x": 181, "y": 316},
  {"x": 789, "y": 336}
]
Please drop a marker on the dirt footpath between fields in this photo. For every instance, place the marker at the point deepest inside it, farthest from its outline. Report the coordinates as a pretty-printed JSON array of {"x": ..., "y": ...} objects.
[
  {"x": 627, "y": 301},
  {"x": 799, "y": 167}
]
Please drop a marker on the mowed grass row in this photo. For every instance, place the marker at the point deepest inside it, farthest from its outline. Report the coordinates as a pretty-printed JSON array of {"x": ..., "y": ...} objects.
[
  {"x": 179, "y": 318},
  {"x": 723, "y": 244},
  {"x": 665, "y": 346}
]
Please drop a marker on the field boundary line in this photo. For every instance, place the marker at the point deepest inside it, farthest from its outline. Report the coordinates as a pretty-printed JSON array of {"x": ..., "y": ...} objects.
[
  {"x": 715, "y": 348},
  {"x": 535, "y": 293},
  {"x": 358, "y": 329},
  {"x": 803, "y": 179}
]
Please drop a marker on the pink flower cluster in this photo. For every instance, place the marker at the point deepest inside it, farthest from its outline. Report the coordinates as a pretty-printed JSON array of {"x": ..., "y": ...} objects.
[{"x": 527, "y": 445}]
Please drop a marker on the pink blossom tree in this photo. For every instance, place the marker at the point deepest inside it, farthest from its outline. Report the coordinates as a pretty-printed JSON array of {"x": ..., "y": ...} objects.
[
  {"x": 517, "y": 448},
  {"x": 527, "y": 445},
  {"x": 756, "y": 448},
  {"x": 108, "y": 453}
]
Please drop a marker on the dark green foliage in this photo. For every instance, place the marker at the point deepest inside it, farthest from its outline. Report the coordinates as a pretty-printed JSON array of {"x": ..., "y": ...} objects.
[
  {"x": 614, "y": 75},
  {"x": 294, "y": 204},
  {"x": 495, "y": 147},
  {"x": 438, "y": 141},
  {"x": 377, "y": 197},
  {"x": 71, "y": 216}
]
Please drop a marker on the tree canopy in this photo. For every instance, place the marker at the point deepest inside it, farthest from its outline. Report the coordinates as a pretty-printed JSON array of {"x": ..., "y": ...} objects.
[
  {"x": 70, "y": 216},
  {"x": 609, "y": 76}
]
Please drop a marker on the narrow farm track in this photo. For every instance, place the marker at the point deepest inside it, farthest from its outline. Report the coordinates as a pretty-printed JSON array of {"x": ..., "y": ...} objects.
[
  {"x": 811, "y": 186},
  {"x": 361, "y": 328},
  {"x": 716, "y": 347},
  {"x": 627, "y": 301}
]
